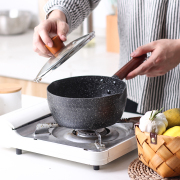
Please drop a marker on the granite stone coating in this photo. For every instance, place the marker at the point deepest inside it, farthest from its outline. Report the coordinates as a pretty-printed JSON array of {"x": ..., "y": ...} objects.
[{"x": 87, "y": 102}]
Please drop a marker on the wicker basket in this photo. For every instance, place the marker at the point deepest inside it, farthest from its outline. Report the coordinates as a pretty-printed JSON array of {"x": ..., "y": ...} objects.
[{"x": 163, "y": 157}]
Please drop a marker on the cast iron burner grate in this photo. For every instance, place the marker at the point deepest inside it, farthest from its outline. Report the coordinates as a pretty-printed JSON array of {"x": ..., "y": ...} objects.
[
  {"x": 90, "y": 133},
  {"x": 98, "y": 136}
]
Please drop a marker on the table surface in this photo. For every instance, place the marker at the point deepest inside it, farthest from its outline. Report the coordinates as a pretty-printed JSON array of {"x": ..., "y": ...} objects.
[{"x": 30, "y": 165}]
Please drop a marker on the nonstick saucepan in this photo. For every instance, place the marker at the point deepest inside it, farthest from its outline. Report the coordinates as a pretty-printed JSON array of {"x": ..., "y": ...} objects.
[{"x": 90, "y": 102}]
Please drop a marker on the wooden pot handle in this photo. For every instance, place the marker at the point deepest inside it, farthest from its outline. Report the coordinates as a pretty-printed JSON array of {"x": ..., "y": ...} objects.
[
  {"x": 130, "y": 66},
  {"x": 57, "y": 45}
]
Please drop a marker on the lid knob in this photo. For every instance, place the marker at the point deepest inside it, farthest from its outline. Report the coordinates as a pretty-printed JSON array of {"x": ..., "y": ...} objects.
[{"x": 57, "y": 46}]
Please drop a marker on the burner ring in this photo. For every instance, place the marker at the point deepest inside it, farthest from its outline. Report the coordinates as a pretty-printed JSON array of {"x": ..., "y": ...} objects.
[{"x": 90, "y": 133}]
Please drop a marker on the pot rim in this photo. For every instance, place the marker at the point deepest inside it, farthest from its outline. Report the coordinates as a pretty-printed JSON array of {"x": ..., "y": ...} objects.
[{"x": 110, "y": 95}]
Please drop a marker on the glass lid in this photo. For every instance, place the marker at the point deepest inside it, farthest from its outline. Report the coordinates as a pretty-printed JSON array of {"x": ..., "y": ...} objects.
[{"x": 64, "y": 54}]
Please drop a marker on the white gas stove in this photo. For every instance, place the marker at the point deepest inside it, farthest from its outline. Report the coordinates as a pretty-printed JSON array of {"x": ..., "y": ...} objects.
[{"x": 34, "y": 129}]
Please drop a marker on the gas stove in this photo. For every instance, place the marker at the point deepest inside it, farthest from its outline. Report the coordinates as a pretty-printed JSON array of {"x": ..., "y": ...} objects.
[{"x": 34, "y": 129}]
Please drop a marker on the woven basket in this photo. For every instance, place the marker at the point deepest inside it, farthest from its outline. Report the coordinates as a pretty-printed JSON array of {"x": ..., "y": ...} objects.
[{"x": 163, "y": 157}]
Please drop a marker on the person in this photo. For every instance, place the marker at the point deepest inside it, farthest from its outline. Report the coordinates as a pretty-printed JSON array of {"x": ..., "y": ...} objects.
[{"x": 145, "y": 26}]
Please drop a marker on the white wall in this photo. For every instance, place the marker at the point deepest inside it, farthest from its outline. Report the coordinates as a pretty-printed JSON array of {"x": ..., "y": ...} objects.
[
  {"x": 99, "y": 19},
  {"x": 99, "y": 13}
]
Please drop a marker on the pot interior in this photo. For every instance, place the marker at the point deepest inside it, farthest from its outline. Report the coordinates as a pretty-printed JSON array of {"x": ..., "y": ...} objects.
[{"x": 87, "y": 87}]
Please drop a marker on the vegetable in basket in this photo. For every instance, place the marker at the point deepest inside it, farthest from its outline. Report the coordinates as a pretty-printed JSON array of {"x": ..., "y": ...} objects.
[{"x": 153, "y": 121}]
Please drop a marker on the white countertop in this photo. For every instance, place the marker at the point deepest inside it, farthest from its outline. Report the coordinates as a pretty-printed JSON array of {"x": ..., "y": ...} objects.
[
  {"x": 29, "y": 166},
  {"x": 18, "y": 60}
]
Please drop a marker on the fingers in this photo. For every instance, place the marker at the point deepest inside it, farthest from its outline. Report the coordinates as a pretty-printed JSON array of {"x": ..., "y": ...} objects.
[
  {"x": 61, "y": 26},
  {"x": 145, "y": 66},
  {"x": 143, "y": 49},
  {"x": 149, "y": 63},
  {"x": 45, "y": 37},
  {"x": 41, "y": 54},
  {"x": 164, "y": 53},
  {"x": 41, "y": 35},
  {"x": 42, "y": 32},
  {"x": 62, "y": 30},
  {"x": 39, "y": 47},
  {"x": 156, "y": 71}
]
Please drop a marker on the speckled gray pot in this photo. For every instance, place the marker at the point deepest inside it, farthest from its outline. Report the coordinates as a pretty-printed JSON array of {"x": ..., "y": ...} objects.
[{"x": 87, "y": 102}]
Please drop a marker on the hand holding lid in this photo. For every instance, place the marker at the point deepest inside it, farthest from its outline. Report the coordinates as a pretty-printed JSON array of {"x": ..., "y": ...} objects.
[{"x": 62, "y": 53}]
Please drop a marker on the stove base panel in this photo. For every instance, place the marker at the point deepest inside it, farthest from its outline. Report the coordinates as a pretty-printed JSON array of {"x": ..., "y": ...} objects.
[{"x": 71, "y": 153}]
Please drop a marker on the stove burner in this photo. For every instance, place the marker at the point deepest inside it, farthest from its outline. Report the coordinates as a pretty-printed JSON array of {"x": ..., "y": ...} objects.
[
  {"x": 99, "y": 137},
  {"x": 90, "y": 133},
  {"x": 109, "y": 134}
]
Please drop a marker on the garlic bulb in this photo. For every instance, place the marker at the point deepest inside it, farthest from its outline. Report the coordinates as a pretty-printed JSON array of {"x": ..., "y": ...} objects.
[{"x": 153, "y": 121}]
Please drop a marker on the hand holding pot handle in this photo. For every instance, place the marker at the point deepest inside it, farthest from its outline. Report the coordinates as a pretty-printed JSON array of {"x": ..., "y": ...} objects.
[
  {"x": 130, "y": 66},
  {"x": 57, "y": 46}
]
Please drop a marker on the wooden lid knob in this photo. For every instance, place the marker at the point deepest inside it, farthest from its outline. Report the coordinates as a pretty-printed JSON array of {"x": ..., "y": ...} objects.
[
  {"x": 9, "y": 88},
  {"x": 57, "y": 46}
]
